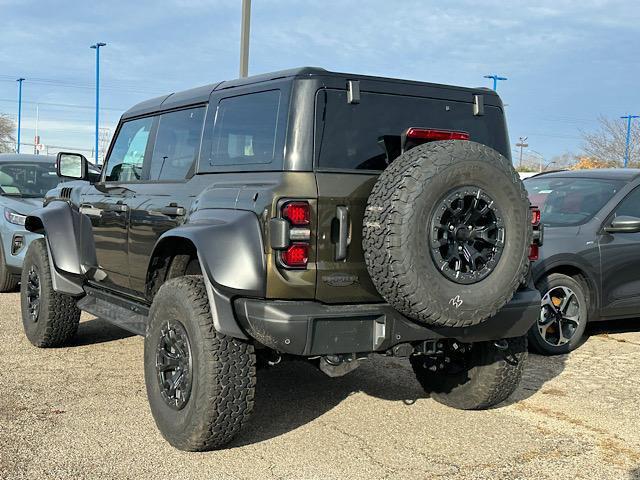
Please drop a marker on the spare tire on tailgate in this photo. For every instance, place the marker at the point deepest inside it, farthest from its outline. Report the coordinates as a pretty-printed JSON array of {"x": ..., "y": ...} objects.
[{"x": 447, "y": 232}]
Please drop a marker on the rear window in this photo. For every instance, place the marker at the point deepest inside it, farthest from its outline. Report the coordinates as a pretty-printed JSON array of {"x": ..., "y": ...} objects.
[
  {"x": 570, "y": 201},
  {"x": 246, "y": 129},
  {"x": 350, "y": 136}
]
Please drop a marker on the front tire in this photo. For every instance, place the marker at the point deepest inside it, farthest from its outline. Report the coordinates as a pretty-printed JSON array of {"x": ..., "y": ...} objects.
[
  {"x": 473, "y": 376},
  {"x": 563, "y": 315},
  {"x": 200, "y": 383},
  {"x": 49, "y": 318}
]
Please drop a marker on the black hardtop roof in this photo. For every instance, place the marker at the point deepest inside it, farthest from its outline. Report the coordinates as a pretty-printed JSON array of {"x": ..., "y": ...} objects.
[
  {"x": 201, "y": 94},
  {"x": 627, "y": 174}
]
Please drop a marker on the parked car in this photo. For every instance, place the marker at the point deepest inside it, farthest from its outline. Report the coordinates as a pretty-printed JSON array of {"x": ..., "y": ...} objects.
[
  {"x": 589, "y": 266},
  {"x": 322, "y": 215},
  {"x": 24, "y": 181}
]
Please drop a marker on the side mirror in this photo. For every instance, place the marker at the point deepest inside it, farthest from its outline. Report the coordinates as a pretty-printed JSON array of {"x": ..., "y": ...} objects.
[
  {"x": 624, "y": 224},
  {"x": 71, "y": 165}
]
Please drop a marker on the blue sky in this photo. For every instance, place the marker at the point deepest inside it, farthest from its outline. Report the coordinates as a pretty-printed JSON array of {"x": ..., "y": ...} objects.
[{"x": 567, "y": 61}]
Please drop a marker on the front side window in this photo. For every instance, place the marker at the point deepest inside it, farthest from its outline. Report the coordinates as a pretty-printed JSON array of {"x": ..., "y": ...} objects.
[
  {"x": 567, "y": 201},
  {"x": 246, "y": 129},
  {"x": 630, "y": 206},
  {"x": 177, "y": 144},
  {"x": 127, "y": 155}
]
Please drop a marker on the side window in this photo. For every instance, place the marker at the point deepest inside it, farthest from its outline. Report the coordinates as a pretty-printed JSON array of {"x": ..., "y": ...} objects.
[
  {"x": 630, "y": 206},
  {"x": 127, "y": 155},
  {"x": 177, "y": 144},
  {"x": 246, "y": 129}
]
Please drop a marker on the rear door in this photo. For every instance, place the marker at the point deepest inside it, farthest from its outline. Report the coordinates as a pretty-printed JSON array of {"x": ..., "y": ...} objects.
[
  {"x": 350, "y": 153},
  {"x": 162, "y": 202}
]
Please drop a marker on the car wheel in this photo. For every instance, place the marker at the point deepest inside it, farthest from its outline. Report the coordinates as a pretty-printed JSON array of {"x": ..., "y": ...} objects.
[
  {"x": 49, "y": 318},
  {"x": 472, "y": 376},
  {"x": 200, "y": 383},
  {"x": 563, "y": 315}
]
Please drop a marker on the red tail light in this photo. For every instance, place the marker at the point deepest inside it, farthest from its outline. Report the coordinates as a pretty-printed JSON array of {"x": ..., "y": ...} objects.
[
  {"x": 535, "y": 216},
  {"x": 534, "y": 251},
  {"x": 298, "y": 213},
  {"x": 296, "y": 255},
  {"x": 431, "y": 134}
]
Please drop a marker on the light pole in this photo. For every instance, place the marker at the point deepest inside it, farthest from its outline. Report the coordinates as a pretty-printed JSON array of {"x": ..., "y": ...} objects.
[
  {"x": 522, "y": 144},
  {"x": 244, "y": 38},
  {"x": 97, "y": 46},
  {"x": 626, "y": 152},
  {"x": 20, "y": 80},
  {"x": 495, "y": 79}
]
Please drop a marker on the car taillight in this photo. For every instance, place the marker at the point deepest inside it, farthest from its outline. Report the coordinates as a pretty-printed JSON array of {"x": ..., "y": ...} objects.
[
  {"x": 296, "y": 255},
  {"x": 298, "y": 213},
  {"x": 535, "y": 216},
  {"x": 291, "y": 234},
  {"x": 538, "y": 229},
  {"x": 431, "y": 134}
]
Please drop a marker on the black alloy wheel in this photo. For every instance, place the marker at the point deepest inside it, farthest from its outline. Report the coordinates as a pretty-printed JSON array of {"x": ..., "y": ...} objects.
[
  {"x": 173, "y": 365},
  {"x": 467, "y": 235},
  {"x": 34, "y": 293}
]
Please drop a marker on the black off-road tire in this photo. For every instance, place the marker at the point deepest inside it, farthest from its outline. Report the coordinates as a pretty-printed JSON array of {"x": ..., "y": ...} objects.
[
  {"x": 223, "y": 371},
  {"x": 396, "y": 234},
  {"x": 8, "y": 281},
  {"x": 491, "y": 373},
  {"x": 579, "y": 286},
  {"x": 58, "y": 316}
]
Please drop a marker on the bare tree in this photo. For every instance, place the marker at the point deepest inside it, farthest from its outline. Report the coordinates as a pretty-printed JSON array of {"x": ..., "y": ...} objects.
[
  {"x": 607, "y": 144},
  {"x": 7, "y": 140}
]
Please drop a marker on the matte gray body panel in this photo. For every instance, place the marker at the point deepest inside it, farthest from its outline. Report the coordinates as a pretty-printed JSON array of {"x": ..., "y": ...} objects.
[{"x": 230, "y": 247}]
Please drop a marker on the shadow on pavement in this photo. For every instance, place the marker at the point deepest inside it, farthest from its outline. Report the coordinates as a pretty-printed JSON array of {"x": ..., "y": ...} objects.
[
  {"x": 96, "y": 331},
  {"x": 295, "y": 393},
  {"x": 634, "y": 474},
  {"x": 627, "y": 325}
]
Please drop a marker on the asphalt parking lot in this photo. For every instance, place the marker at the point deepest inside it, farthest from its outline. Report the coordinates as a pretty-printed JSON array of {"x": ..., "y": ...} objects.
[{"x": 81, "y": 412}]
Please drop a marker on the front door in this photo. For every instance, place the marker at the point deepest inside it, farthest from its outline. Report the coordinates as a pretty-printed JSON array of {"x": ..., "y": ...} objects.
[
  {"x": 107, "y": 204},
  {"x": 620, "y": 260}
]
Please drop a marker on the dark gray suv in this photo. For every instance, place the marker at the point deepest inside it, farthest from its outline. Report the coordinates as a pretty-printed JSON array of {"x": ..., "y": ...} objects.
[{"x": 300, "y": 213}]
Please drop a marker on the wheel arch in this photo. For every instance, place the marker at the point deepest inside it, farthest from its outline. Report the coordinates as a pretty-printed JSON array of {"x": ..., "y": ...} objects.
[{"x": 574, "y": 269}]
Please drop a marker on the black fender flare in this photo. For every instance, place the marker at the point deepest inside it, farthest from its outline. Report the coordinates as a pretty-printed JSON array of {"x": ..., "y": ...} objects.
[
  {"x": 230, "y": 249},
  {"x": 64, "y": 228}
]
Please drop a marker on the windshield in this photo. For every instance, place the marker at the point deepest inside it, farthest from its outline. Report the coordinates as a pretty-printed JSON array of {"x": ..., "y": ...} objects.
[
  {"x": 570, "y": 201},
  {"x": 27, "y": 180}
]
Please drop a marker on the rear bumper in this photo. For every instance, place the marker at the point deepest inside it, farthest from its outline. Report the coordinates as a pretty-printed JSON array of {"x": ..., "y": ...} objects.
[{"x": 311, "y": 328}]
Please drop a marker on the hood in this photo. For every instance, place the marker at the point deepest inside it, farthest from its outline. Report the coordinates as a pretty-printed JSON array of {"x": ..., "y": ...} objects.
[{"x": 21, "y": 205}]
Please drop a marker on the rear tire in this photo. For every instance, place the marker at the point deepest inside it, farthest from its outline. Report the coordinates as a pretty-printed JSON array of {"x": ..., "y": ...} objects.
[
  {"x": 555, "y": 334},
  {"x": 49, "y": 318},
  {"x": 481, "y": 377},
  {"x": 200, "y": 383},
  {"x": 446, "y": 233},
  {"x": 8, "y": 281}
]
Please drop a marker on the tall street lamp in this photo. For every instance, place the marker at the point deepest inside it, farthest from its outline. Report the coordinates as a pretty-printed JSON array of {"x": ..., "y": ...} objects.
[
  {"x": 626, "y": 152},
  {"x": 20, "y": 80},
  {"x": 495, "y": 79},
  {"x": 97, "y": 46}
]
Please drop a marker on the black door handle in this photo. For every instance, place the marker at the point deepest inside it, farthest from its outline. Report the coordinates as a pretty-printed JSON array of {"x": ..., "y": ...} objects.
[{"x": 342, "y": 215}]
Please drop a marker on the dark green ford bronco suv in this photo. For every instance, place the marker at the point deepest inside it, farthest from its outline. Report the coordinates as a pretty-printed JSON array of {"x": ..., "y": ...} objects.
[{"x": 300, "y": 213}]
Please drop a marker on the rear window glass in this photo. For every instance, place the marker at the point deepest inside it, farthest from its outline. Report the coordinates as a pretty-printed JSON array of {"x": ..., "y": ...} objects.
[
  {"x": 350, "y": 136},
  {"x": 246, "y": 129},
  {"x": 570, "y": 201}
]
